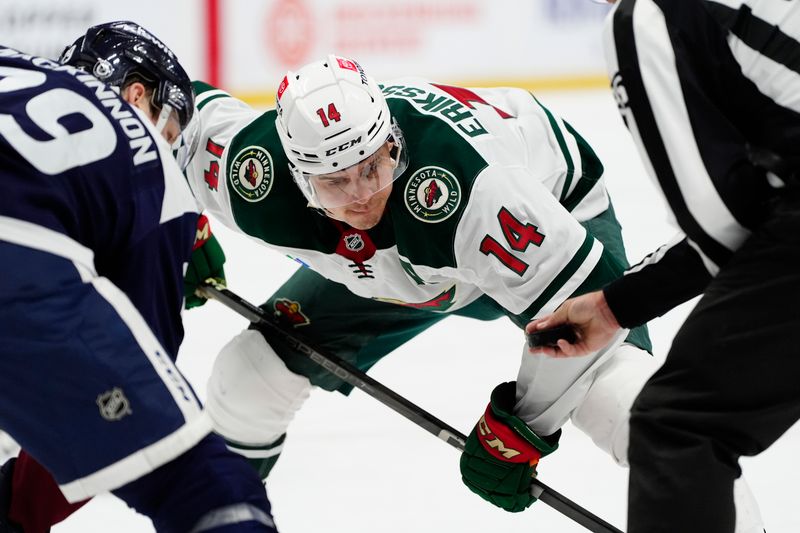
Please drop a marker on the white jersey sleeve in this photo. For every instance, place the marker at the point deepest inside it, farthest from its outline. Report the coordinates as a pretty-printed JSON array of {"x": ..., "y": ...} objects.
[
  {"x": 547, "y": 141},
  {"x": 519, "y": 245},
  {"x": 220, "y": 117}
]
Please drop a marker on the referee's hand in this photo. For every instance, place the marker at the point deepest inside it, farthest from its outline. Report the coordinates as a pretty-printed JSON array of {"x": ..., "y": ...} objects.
[{"x": 591, "y": 319}]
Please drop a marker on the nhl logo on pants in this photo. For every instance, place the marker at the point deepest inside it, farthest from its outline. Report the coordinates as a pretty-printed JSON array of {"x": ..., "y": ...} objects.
[{"x": 113, "y": 404}]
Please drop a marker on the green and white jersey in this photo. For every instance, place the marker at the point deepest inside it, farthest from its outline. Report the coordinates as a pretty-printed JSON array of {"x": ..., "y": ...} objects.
[{"x": 490, "y": 203}]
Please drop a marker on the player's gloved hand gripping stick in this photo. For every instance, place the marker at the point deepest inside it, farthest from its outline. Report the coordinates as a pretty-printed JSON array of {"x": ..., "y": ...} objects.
[
  {"x": 207, "y": 261},
  {"x": 502, "y": 452},
  {"x": 360, "y": 380}
]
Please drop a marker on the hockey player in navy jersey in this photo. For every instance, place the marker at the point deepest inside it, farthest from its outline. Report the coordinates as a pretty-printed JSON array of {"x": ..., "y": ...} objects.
[{"x": 96, "y": 225}]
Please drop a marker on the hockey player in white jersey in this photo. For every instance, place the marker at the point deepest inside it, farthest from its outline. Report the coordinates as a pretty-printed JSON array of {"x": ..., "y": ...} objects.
[{"x": 408, "y": 202}]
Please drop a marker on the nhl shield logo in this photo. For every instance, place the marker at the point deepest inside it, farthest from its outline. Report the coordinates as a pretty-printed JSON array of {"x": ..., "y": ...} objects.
[
  {"x": 113, "y": 404},
  {"x": 251, "y": 173},
  {"x": 354, "y": 242},
  {"x": 432, "y": 194}
]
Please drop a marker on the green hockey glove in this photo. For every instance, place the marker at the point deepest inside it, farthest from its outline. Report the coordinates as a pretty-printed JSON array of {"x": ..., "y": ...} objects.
[
  {"x": 500, "y": 457},
  {"x": 206, "y": 262}
]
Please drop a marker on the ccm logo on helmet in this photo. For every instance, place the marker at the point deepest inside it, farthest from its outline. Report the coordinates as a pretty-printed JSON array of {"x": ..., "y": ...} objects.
[{"x": 343, "y": 147}]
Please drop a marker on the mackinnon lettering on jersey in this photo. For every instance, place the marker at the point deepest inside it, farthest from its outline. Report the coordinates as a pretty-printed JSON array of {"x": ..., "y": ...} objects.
[{"x": 140, "y": 141}]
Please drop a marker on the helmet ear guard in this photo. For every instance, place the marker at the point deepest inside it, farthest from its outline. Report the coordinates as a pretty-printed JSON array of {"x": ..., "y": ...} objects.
[{"x": 331, "y": 116}]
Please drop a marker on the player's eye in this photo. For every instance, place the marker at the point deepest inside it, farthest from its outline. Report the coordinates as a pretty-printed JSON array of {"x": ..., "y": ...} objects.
[{"x": 334, "y": 183}]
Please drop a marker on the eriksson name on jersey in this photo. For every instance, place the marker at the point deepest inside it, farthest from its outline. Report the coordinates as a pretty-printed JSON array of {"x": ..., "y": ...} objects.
[{"x": 431, "y": 103}]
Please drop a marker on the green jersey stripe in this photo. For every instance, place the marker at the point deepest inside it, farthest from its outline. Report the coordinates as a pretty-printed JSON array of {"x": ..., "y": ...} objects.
[
  {"x": 206, "y": 97},
  {"x": 562, "y": 144},
  {"x": 202, "y": 87},
  {"x": 255, "y": 450},
  {"x": 592, "y": 170},
  {"x": 610, "y": 267},
  {"x": 563, "y": 277}
]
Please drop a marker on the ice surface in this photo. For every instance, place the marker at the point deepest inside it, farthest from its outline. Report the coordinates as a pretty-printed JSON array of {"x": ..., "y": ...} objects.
[{"x": 351, "y": 465}]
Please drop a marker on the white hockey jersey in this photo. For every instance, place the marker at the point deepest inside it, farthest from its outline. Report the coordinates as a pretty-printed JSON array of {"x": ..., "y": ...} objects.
[{"x": 490, "y": 203}]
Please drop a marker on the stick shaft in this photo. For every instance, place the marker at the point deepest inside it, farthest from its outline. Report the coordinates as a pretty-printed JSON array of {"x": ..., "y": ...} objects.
[{"x": 355, "y": 377}]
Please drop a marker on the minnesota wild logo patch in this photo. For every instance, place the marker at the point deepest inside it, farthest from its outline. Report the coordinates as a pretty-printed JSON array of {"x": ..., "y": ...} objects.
[
  {"x": 290, "y": 312},
  {"x": 252, "y": 173},
  {"x": 432, "y": 194}
]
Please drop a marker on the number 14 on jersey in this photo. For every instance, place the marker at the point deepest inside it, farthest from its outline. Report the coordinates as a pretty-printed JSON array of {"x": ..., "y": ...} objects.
[{"x": 518, "y": 236}]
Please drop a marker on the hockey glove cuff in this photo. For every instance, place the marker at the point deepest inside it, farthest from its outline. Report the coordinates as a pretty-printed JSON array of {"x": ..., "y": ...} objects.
[
  {"x": 501, "y": 453},
  {"x": 206, "y": 262}
]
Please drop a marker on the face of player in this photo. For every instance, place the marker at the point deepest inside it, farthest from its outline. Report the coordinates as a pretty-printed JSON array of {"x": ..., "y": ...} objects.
[
  {"x": 363, "y": 214},
  {"x": 137, "y": 95},
  {"x": 357, "y": 195}
]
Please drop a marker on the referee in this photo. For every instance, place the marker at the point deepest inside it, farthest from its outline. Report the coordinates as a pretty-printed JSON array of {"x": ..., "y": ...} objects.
[{"x": 710, "y": 91}]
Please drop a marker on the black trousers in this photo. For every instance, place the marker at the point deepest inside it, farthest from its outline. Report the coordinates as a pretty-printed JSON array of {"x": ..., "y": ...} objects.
[
  {"x": 730, "y": 386},
  {"x": 700, "y": 84}
]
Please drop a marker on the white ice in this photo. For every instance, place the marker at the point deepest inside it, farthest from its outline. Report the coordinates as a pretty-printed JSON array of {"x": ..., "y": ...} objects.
[{"x": 351, "y": 465}]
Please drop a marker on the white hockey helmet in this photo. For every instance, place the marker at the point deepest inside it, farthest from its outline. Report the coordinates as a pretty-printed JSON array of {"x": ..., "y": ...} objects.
[{"x": 338, "y": 133}]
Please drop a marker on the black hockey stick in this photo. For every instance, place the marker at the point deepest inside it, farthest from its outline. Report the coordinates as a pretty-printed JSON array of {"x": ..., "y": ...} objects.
[{"x": 355, "y": 377}]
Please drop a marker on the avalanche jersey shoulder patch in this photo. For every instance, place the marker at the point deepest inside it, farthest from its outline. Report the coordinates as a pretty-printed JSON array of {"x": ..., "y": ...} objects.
[
  {"x": 252, "y": 173},
  {"x": 432, "y": 194}
]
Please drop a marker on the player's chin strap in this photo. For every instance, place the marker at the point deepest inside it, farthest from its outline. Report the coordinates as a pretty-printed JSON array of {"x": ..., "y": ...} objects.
[{"x": 346, "y": 372}]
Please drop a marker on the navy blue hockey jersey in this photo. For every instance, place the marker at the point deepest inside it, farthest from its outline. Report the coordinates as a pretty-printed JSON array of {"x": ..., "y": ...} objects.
[{"x": 77, "y": 160}]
